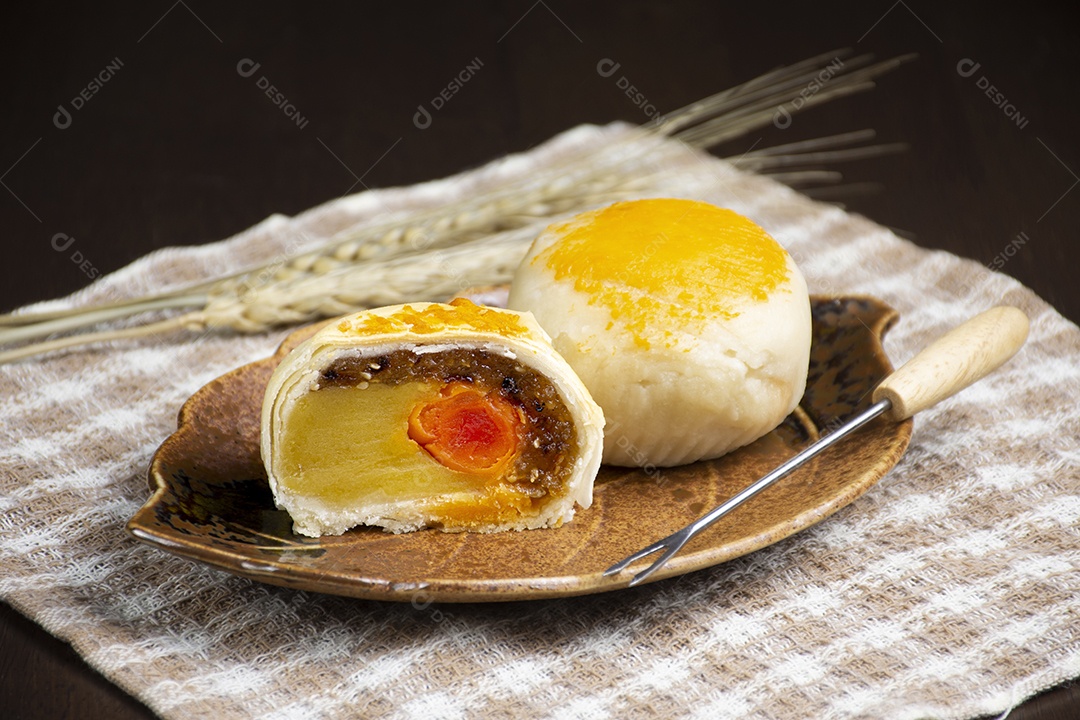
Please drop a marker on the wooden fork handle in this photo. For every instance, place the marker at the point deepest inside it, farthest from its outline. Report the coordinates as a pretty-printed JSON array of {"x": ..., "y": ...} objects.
[{"x": 955, "y": 360}]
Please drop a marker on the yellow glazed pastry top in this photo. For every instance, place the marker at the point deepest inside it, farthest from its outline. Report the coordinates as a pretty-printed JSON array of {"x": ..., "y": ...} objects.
[
  {"x": 661, "y": 262},
  {"x": 433, "y": 319}
]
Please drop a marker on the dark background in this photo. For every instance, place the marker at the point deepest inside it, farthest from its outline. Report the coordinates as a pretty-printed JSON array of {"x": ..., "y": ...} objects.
[{"x": 178, "y": 148}]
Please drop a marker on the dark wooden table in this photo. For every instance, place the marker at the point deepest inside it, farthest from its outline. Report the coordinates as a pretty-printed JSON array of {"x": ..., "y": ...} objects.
[{"x": 132, "y": 128}]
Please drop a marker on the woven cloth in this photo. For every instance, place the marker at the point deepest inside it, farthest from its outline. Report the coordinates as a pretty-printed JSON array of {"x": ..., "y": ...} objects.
[{"x": 949, "y": 590}]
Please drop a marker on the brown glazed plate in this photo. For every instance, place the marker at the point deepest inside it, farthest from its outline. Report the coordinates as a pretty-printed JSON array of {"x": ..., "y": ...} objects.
[{"x": 211, "y": 502}]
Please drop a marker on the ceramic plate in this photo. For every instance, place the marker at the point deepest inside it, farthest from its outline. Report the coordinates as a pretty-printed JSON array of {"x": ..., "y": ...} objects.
[{"x": 211, "y": 502}]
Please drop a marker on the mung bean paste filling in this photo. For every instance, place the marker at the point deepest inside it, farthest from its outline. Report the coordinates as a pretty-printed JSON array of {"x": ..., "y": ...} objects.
[{"x": 547, "y": 442}]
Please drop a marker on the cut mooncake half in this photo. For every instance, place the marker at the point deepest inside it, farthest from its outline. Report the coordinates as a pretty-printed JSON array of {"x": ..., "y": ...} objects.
[{"x": 450, "y": 416}]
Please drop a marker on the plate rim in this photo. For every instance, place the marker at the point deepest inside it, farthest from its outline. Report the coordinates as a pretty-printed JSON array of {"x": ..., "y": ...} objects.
[{"x": 281, "y": 573}]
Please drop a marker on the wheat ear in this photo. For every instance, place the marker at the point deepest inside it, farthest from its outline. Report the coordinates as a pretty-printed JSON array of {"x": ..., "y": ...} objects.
[{"x": 288, "y": 289}]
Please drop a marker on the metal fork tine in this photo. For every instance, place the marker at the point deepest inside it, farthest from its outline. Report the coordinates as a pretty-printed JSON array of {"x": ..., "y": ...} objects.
[
  {"x": 643, "y": 552},
  {"x": 662, "y": 560}
]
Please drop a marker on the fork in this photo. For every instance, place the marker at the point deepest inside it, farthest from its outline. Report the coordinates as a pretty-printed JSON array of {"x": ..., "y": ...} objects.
[{"x": 962, "y": 356}]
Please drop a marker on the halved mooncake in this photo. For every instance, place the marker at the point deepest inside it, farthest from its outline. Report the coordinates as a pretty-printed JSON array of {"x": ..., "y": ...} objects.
[
  {"x": 453, "y": 416},
  {"x": 688, "y": 323}
]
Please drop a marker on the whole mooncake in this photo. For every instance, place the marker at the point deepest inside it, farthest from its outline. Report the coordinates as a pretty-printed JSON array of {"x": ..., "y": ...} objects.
[
  {"x": 687, "y": 322},
  {"x": 452, "y": 416}
]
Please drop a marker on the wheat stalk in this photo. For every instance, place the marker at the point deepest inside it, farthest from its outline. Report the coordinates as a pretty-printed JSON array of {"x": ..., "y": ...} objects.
[
  {"x": 429, "y": 275},
  {"x": 367, "y": 265}
]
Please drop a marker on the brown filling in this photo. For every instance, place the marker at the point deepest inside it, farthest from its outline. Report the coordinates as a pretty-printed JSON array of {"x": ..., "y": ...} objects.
[{"x": 549, "y": 444}]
